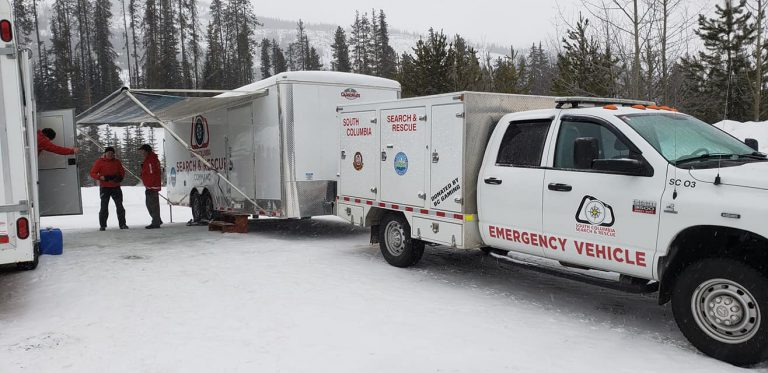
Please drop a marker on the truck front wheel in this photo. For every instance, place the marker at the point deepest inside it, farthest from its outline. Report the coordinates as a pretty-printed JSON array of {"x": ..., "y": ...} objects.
[
  {"x": 721, "y": 306},
  {"x": 397, "y": 246}
]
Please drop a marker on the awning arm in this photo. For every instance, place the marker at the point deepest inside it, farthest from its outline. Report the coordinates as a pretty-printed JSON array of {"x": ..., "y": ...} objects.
[{"x": 189, "y": 148}]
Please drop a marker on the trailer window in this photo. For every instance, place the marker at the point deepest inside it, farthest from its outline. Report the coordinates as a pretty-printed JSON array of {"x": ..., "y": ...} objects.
[{"x": 523, "y": 144}]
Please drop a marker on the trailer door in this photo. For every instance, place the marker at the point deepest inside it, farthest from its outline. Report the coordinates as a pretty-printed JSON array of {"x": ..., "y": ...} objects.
[
  {"x": 59, "y": 184},
  {"x": 403, "y": 154}
]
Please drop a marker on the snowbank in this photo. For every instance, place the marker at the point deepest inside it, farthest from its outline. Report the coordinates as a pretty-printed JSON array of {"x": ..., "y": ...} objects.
[{"x": 753, "y": 130}]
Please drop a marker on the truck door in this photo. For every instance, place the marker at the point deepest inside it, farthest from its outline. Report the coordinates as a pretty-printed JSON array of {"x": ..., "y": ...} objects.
[
  {"x": 510, "y": 186},
  {"x": 403, "y": 155},
  {"x": 359, "y": 157},
  {"x": 59, "y": 182},
  {"x": 608, "y": 220}
]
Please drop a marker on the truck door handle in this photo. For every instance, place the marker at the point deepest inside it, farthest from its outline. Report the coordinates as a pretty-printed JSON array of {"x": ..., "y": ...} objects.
[
  {"x": 493, "y": 181},
  {"x": 557, "y": 187}
]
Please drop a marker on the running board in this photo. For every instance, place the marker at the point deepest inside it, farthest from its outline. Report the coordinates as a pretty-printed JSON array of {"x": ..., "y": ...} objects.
[{"x": 630, "y": 286}]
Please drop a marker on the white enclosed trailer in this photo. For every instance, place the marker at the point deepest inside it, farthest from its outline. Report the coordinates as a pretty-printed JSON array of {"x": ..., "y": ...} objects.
[
  {"x": 21, "y": 203},
  {"x": 268, "y": 148},
  {"x": 421, "y": 157}
]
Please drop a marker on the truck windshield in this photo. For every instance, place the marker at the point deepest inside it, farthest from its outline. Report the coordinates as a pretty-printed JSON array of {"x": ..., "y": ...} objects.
[{"x": 681, "y": 138}]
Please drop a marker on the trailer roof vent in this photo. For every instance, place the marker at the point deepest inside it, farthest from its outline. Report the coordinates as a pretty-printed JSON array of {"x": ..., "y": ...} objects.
[
  {"x": 6, "y": 31},
  {"x": 575, "y": 102}
]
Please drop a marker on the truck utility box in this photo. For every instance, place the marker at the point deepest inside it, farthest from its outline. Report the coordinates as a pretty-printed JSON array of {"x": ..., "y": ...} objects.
[{"x": 421, "y": 156}]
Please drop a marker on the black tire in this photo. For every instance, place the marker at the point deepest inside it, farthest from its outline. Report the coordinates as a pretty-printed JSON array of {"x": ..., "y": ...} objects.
[
  {"x": 735, "y": 329},
  {"x": 207, "y": 212},
  {"x": 396, "y": 244},
  {"x": 195, "y": 204},
  {"x": 28, "y": 266}
]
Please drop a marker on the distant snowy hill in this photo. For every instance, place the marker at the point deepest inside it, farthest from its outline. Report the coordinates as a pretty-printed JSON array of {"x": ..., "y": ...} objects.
[{"x": 321, "y": 37}]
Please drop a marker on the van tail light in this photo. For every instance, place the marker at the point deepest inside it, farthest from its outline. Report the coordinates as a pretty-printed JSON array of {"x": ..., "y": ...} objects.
[
  {"x": 6, "y": 31},
  {"x": 22, "y": 228}
]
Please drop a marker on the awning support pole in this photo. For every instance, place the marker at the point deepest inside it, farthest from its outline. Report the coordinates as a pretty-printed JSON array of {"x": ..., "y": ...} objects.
[{"x": 189, "y": 148}]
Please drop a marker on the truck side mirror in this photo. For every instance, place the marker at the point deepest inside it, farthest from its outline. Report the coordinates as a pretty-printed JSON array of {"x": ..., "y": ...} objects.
[
  {"x": 752, "y": 143},
  {"x": 585, "y": 151}
]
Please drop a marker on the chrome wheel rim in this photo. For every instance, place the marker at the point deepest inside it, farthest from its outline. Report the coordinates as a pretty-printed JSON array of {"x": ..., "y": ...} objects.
[
  {"x": 726, "y": 311},
  {"x": 394, "y": 237}
]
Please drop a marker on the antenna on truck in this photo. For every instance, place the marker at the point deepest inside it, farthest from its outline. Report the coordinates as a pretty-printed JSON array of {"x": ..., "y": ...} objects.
[{"x": 576, "y": 102}]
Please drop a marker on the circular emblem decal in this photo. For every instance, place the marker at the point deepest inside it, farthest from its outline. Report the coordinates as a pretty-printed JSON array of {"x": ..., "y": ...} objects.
[
  {"x": 199, "y": 131},
  {"x": 172, "y": 176},
  {"x": 358, "y": 161},
  {"x": 401, "y": 163},
  {"x": 595, "y": 211}
]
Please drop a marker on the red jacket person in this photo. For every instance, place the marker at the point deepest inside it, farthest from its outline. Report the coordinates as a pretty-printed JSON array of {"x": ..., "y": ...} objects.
[
  {"x": 150, "y": 176},
  {"x": 45, "y": 143},
  {"x": 109, "y": 171}
]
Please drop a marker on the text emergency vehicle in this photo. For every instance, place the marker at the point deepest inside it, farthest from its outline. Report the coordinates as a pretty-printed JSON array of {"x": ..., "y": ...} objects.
[
  {"x": 21, "y": 169},
  {"x": 667, "y": 202}
]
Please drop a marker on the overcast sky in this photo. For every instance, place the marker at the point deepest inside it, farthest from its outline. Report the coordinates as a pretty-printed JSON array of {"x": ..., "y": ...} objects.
[{"x": 503, "y": 22}]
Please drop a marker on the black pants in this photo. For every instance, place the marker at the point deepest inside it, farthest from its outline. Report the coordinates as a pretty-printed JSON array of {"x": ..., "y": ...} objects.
[
  {"x": 117, "y": 195},
  {"x": 153, "y": 205}
]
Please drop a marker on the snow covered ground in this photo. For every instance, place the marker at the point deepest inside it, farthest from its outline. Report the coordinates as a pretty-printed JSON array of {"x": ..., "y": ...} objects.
[{"x": 311, "y": 296}]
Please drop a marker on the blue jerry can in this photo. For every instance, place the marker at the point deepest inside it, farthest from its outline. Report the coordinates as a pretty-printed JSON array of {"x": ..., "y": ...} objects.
[{"x": 51, "y": 241}]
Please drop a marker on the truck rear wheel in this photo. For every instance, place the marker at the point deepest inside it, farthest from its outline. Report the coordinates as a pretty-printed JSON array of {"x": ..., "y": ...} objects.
[
  {"x": 721, "y": 306},
  {"x": 397, "y": 246}
]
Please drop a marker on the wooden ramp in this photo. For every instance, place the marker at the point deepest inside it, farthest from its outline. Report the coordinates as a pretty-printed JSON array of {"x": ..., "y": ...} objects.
[{"x": 230, "y": 223}]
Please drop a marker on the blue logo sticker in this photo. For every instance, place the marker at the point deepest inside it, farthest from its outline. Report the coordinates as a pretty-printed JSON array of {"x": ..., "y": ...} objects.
[
  {"x": 172, "y": 177},
  {"x": 401, "y": 163}
]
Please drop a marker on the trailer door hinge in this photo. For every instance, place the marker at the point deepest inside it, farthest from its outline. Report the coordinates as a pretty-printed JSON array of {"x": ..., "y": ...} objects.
[
  {"x": 458, "y": 200},
  {"x": 343, "y": 154},
  {"x": 374, "y": 120},
  {"x": 460, "y": 115},
  {"x": 374, "y": 190},
  {"x": 383, "y": 156},
  {"x": 435, "y": 157},
  {"x": 423, "y": 118},
  {"x": 422, "y": 195}
]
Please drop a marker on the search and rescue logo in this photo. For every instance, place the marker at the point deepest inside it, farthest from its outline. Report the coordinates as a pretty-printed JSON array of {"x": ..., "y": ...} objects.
[
  {"x": 357, "y": 163},
  {"x": 200, "y": 135},
  {"x": 401, "y": 163},
  {"x": 595, "y": 212},
  {"x": 350, "y": 94}
]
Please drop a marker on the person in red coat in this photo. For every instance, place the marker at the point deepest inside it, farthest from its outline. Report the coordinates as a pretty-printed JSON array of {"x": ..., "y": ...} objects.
[
  {"x": 45, "y": 138},
  {"x": 150, "y": 177},
  {"x": 109, "y": 171}
]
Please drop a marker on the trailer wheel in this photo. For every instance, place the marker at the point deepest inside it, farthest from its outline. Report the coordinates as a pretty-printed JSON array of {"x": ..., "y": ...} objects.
[
  {"x": 28, "y": 266},
  {"x": 206, "y": 207},
  {"x": 721, "y": 306},
  {"x": 194, "y": 203},
  {"x": 397, "y": 246}
]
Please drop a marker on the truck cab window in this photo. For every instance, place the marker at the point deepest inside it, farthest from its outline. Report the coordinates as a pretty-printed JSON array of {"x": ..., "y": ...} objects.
[
  {"x": 523, "y": 143},
  {"x": 608, "y": 144}
]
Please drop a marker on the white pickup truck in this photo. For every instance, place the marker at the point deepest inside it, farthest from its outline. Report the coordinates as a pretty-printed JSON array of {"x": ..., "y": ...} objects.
[{"x": 666, "y": 201}]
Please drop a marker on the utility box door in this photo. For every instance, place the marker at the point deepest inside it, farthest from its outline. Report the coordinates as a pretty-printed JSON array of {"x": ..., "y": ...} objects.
[
  {"x": 359, "y": 156},
  {"x": 59, "y": 184},
  {"x": 403, "y": 155},
  {"x": 445, "y": 192}
]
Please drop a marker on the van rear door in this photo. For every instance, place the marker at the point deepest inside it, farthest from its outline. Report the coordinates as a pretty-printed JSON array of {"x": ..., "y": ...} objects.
[{"x": 59, "y": 185}]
